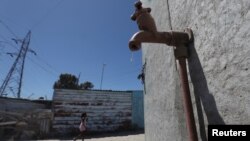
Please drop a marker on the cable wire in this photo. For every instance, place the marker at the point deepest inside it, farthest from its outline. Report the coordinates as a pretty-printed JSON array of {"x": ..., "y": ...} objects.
[
  {"x": 8, "y": 28},
  {"x": 47, "y": 14}
]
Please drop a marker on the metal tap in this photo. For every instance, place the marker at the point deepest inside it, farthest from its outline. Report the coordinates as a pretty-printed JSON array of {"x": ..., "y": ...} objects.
[{"x": 148, "y": 32}]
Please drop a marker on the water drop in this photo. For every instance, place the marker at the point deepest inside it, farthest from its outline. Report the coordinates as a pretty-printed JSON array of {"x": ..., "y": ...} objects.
[{"x": 132, "y": 57}]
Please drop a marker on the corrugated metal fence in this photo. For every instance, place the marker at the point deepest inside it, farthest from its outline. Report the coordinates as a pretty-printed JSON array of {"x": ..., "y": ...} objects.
[
  {"x": 107, "y": 110},
  {"x": 138, "y": 109}
]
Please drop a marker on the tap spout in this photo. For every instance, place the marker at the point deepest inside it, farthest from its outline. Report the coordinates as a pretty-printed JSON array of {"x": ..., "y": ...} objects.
[
  {"x": 149, "y": 37},
  {"x": 148, "y": 32},
  {"x": 172, "y": 38}
]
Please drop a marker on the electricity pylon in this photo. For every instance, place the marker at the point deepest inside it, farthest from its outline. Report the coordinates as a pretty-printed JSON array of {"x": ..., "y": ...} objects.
[{"x": 13, "y": 81}]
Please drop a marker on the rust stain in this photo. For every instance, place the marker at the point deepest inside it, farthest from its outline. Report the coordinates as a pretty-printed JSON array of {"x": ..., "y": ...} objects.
[
  {"x": 58, "y": 103},
  {"x": 126, "y": 125},
  {"x": 128, "y": 114},
  {"x": 109, "y": 122},
  {"x": 61, "y": 114},
  {"x": 60, "y": 111},
  {"x": 99, "y": 104},
  {"x": 79, "y": 103}
]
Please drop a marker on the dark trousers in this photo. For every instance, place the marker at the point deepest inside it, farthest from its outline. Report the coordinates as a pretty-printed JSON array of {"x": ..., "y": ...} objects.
[{"x": 80, "y": 136}]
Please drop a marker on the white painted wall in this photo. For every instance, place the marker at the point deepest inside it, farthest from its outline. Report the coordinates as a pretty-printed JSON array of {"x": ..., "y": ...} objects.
[{"x": 218, "y": 67}]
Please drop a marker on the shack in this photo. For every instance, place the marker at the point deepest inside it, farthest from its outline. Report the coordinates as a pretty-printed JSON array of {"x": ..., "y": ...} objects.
[{"x": 107, "y": 110}]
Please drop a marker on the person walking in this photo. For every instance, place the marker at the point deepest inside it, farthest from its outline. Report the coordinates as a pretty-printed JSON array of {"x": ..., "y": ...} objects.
[{"x": 82, "y": 127}]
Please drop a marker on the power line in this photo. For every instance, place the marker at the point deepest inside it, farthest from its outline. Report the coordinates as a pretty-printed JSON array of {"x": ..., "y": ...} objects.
[
  {"x": 35, "y": 25},
  {"x": 15, "y": 74},
  {"x": 47, "y": 64},
  {"x": 16, "y": 71},
  {"x": 40, "y": 59},
  {"x": 43, "y": 68},
  {"x": 9, "y": 43},
  {"x": 47, "y": 14},
  {"x": 7, "y": 27},
  {"x": 25, "y": 28}
]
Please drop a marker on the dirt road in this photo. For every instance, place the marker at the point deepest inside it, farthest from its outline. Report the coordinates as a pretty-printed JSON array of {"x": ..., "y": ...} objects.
[{"x": 138, "y": 137}]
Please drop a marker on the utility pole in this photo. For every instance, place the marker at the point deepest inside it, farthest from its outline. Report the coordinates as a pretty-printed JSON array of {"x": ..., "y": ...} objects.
[
  {"x": 103, "y": 66},
  {"x": 78, "y": 79},
  {"x": 13, "y": 81}
]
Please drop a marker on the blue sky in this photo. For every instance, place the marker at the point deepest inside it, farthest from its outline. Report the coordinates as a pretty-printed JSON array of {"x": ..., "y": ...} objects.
[{"x": 71, "y": 36}]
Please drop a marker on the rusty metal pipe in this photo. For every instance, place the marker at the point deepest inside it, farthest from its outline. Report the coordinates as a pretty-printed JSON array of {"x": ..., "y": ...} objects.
[
  {"x": 172, "y": 38},
  {"x": 187, "y": 103},
  {"x": 149, "y": 34},
  {"x": 148, "y": 37}
]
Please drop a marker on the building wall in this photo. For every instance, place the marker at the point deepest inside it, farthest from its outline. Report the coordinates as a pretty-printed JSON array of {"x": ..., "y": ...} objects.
[
  {"x": 37, "y": 115},
  {"x": 218, "y": 67},
  {"x": 106, "y": 110},
  {"x": 138, "y": 109},
  {"x": 19, "y": 105}
]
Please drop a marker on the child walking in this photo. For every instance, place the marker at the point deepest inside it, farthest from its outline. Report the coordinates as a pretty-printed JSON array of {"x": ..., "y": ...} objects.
[{"x": 82, "y": 127}]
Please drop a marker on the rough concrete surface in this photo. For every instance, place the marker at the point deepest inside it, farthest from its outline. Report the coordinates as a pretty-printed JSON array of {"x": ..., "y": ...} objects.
[{"x": 218, "y": 66}]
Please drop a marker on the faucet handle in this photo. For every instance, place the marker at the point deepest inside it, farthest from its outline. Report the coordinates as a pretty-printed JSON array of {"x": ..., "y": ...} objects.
[
  {"x": 139, "y": 9},
  {"x": 138, "y": 5}
]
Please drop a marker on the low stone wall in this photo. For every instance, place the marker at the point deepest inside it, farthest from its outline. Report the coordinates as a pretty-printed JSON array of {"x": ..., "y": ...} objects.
[
  {"x": 14, "y": 104},
  {"x": 24, "y": 119}
]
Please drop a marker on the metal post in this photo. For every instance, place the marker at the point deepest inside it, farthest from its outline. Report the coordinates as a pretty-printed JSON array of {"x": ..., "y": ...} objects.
[
  {"x": 188, "y": 108},
  {"x": 102, "y": 75},
  {"x": 16, "y": 71}
]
